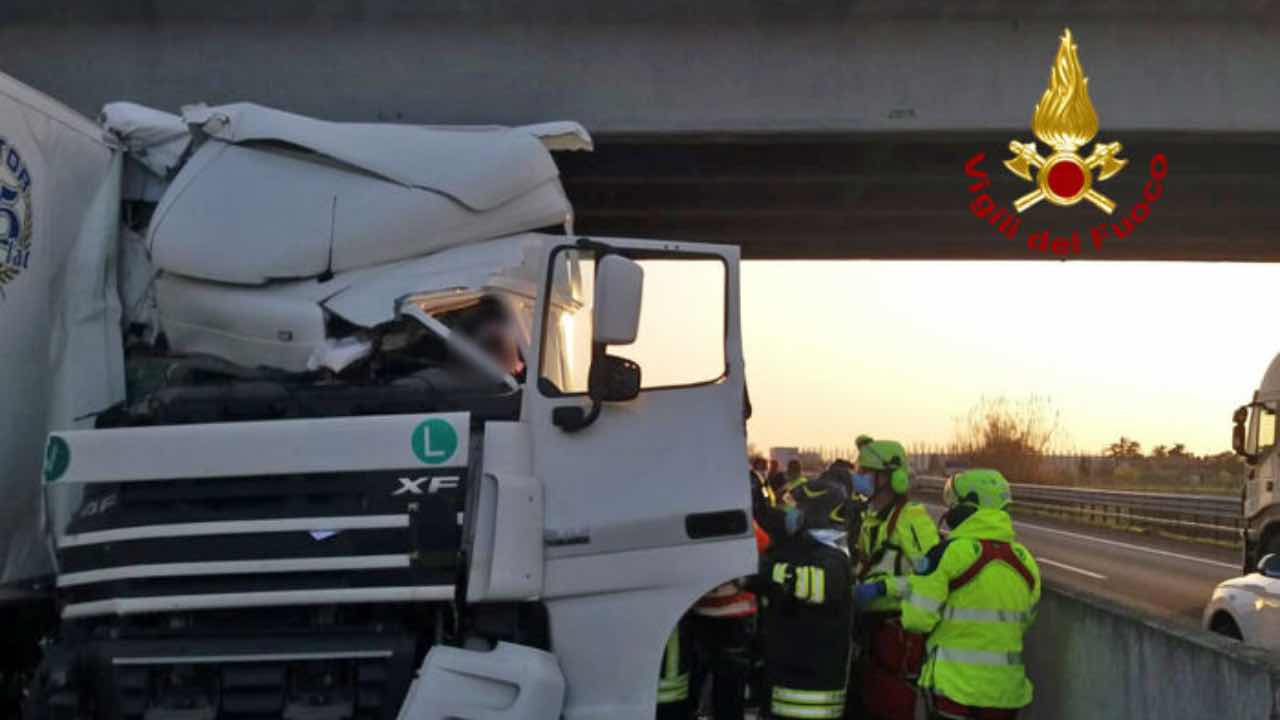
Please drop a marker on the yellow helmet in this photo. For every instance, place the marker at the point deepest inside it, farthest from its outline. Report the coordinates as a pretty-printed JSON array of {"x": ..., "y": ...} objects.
[
  {"x": 982, "y": 487},
  {"x": 887, "y": 456}
]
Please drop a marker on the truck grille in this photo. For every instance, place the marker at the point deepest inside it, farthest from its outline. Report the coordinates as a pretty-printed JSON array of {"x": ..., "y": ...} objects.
[{"x": 254, "y": 536}]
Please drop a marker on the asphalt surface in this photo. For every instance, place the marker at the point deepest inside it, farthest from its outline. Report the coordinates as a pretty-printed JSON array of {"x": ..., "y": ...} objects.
[{"x": 1166, "y": 577}]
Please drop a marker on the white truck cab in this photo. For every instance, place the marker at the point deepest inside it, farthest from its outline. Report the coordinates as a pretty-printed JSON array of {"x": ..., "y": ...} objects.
[
  {"x": 1254, "y": 439},
  {"x": 332, "y": 432}
]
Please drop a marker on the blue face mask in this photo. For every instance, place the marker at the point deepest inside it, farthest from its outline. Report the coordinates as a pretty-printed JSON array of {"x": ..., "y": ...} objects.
[
  {"x": 794, "y": 520},
  {"x": 864, "y": 483}
]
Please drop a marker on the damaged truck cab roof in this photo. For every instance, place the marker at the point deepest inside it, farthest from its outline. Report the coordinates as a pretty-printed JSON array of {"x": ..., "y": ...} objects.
[
  {"x": 271, "y": 221},
  {"x": 271, "y": 195}
]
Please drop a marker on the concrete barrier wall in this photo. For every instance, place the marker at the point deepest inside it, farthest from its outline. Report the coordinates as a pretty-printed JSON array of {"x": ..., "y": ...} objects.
[{"x": 1092, "y": 659}]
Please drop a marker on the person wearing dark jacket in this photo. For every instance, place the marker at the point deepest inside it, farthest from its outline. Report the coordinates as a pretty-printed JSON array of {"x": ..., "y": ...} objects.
[
  {"x": 808, "y": 591},
  {"x": 675, "y": 702}
]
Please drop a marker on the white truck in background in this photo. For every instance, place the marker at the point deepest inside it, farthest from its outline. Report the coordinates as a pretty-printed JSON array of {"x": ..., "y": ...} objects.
[
  {"x": 329, "y": 431},
  {"x": 1254, "y": 438}
]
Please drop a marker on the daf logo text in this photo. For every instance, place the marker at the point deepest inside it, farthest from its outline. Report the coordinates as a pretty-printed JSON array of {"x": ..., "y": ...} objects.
[{"x": 413, "y": 486}]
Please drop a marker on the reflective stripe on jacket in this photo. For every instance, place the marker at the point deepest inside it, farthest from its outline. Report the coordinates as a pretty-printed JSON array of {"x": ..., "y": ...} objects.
[
  {"x": 673, "y": 681},
  {"x": 810, "y": 581},
  {"x": 896, "y": 555},
  {"x": 785, "y": 496},
  {"x": 793, "y": 703},
  {"x": 974, "y": 652}
]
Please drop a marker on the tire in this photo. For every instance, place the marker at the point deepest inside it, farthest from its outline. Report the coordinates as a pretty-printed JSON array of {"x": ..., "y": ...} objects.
[{"x": 1224, "y": 625}]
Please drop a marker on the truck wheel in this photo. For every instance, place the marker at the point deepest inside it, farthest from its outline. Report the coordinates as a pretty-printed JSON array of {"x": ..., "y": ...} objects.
[{"x": 1222, "y": 624}]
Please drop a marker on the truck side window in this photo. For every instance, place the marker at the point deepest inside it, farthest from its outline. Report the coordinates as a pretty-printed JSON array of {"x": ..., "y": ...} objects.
[
  {"x": 1264, "y": 429},
  {"x": 681, "y": 339},
  {"x": 682, "y": 323}
]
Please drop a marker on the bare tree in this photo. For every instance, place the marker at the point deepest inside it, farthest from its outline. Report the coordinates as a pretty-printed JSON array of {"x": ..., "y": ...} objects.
[{"x": 1008, "y": 435}]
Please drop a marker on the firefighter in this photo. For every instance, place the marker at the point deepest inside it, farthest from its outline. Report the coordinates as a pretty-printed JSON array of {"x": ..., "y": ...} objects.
[
  {"x": 976, "y": 596},
  {"x": 674, "y": 699},
  {"x": 762, "y": 495},
  {"x": 795, "y": 478},
  {"x": 895, "y": 534},
  {"x": 809, "y": 609},
  {"x": 769, "y": 520},
  {"x": 721, "y": 626}
]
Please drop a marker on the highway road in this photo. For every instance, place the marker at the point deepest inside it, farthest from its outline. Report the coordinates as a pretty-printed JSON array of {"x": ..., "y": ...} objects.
[{"x": 1170, "y": 578}]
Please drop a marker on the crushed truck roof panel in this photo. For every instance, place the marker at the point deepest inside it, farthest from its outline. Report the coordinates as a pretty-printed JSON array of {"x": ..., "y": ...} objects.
[{"x": 271, "y": 195}]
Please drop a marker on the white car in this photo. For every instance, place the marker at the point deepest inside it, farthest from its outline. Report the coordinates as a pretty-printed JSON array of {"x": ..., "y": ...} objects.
[{"x": 1248, "y": 608}]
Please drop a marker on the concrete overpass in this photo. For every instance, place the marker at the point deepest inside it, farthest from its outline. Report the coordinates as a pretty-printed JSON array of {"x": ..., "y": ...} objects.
[{"x": 797, "y": 129}]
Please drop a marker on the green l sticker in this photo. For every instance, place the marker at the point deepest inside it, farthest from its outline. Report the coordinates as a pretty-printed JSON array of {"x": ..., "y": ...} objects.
[
  {"x": 434, "y": 441},
  {"x": 57, "y": 458}
]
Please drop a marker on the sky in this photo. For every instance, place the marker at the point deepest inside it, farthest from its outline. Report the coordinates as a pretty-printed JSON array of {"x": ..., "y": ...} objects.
[{"x": 1158, "y": 352}]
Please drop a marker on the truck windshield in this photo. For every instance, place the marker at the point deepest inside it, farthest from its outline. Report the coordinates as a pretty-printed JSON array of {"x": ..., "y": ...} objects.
[{"x": 1262, "y": 430}]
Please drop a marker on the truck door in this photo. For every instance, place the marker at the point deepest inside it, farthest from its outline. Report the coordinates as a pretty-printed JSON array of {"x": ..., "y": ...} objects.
[
  {"x": 648, "y": 505},
  {"x": 58, "y": 203}
]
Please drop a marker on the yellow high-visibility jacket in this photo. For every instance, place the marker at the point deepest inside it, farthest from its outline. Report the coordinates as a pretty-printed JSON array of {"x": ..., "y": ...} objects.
[
  {"x": 974, "y": 650},
  {"x": 882, "y": 555}
]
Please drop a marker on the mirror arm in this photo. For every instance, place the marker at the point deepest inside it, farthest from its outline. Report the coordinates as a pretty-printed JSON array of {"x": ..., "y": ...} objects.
[{"x": 572, "y": 418}]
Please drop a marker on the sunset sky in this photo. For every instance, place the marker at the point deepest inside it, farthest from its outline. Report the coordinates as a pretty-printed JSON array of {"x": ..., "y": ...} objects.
[{"x": 1159, "y": 352}]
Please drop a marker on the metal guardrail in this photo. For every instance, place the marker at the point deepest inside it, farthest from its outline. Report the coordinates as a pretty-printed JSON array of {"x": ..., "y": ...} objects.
[{"x": 1216, "y": 514}]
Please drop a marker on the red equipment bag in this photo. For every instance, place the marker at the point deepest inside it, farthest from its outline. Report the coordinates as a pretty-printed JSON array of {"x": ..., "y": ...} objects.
[{"x": 896, "y": 656}]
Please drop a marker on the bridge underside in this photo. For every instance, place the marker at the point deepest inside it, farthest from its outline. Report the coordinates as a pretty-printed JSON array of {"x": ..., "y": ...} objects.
[
  {"x": 821, "y": 129},
  {"x": 906, "y": 196}
]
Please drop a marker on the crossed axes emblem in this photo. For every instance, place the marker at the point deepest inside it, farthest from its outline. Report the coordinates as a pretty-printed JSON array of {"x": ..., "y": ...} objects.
[{"x": 1080, "y": 178}]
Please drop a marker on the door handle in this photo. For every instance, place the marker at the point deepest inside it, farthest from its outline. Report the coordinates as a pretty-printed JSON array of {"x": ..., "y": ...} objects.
[{"x": 721, "y": 523}]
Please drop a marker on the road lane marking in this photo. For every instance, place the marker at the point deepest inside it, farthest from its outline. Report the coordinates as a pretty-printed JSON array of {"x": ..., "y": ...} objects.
[
  {"x": 1072, "y": 568},
  {"x": 1129, "y": 546},
  {"x": 1117, "y": 543}
]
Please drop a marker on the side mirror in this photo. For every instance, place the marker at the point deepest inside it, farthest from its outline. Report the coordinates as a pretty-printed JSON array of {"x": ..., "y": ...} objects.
[
  {"x": 1238, "y": 431},
  {"x": 619, "y": 287},
  {"x": 613, "y": 379},
  {"x": 1269, "y": 565}
]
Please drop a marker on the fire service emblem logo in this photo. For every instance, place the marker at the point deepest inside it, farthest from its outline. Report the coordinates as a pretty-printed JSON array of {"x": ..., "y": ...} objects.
[
  {"x": 15, "y": 214},
  {"x": 1065, "y": 120}
]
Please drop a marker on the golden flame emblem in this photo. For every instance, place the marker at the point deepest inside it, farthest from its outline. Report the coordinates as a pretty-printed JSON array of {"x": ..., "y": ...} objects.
[{"x": 1065, "y": 120}]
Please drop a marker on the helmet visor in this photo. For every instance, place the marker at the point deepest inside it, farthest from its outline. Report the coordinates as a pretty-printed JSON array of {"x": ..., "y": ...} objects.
[{"x": 949, "y": 497}]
